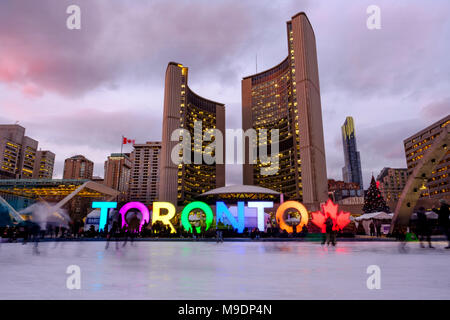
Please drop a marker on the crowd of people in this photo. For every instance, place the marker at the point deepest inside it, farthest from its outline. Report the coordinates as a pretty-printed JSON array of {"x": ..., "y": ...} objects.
[{"x": 30, "y": 231}]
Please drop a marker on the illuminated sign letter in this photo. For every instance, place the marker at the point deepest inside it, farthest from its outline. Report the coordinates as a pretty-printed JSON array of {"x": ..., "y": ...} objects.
[
  {"x": 104, "y": 207},
  {"x": 260, "y": 205},
  {"x": 135, "y": 205},
  {"x": 222, "y": 208},
  {"x": 196, "y": 205},
  {"x": 292, "y": 205},
  {"x": 165, "y": 219}
]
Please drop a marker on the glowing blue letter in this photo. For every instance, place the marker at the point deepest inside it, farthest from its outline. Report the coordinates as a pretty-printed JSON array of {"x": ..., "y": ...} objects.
[
  {"x": 260, "y": 205},
  {"x": 104, "y": 207},
  {"x": 221, "y": 208}
]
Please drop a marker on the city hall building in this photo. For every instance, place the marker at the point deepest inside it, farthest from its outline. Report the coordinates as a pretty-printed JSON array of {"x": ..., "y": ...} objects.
[
  {"x": 287, "y": 97},
  {"x": 180, "y": 184}
]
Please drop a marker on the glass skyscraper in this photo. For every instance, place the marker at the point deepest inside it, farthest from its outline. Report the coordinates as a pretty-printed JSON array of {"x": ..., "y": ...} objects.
[{"x": 351, "y": 172}]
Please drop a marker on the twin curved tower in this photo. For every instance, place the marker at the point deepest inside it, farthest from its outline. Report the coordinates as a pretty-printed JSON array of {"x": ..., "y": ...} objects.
[{"x": 285, "y": 97}]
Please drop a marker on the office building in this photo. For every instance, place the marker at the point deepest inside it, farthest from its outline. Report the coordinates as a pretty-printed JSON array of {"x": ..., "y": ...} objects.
[
  {"x": 145, "y": 172},
  {"x": 437, "y": 184},
  {"x": 78, "y": 167},
  {"x": 391, "y": 182},
  {"x": 17, "y": 153},
  {"x": 351, "y": 172},
  {"x": 44, "y": 165},
  {"x": 117, "y": 173},
  {"x": 287, "y": 97},
  {"x": 182, "y": 108}
]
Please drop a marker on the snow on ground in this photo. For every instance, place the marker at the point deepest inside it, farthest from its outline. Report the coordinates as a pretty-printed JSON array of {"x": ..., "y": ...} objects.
[{"x": 231, "y": 270}]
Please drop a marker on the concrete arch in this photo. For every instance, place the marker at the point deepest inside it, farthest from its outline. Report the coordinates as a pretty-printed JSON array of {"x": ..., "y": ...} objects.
[{"x": 411, "y": 192}]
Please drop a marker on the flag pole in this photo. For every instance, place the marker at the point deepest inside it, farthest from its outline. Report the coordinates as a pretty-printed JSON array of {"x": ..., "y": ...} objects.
[{"x": 121, "y": 146}]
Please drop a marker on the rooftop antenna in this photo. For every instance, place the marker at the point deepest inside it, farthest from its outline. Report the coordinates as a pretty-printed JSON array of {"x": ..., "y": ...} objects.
[{"x": 256, "y": 62}]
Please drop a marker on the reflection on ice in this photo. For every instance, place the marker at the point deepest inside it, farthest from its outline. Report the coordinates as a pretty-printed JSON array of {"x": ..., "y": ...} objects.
[{"x": 231, "y": 270}]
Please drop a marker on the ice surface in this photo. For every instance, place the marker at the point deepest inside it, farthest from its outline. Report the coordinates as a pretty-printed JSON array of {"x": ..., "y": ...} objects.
[{"x": 231, "y": 270}]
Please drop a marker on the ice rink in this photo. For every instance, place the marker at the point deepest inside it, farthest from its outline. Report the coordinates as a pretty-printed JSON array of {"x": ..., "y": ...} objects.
[{"x": 230, "y": 270}]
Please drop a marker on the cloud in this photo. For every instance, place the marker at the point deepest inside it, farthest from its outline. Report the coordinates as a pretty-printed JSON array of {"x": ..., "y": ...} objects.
[
  {"x": 437, "y": 109},
  {"x": 78, "y": 91}
]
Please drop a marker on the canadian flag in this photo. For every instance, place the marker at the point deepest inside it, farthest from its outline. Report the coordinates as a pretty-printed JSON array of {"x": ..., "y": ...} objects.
[{"x": 125, "y": 141}]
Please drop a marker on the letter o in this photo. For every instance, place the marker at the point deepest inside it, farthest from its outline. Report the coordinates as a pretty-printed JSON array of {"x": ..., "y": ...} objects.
[
  {"x": 135, "y": 205},
  {"x": 292, "y": 205},
  {"x": 196, "y": 205}
]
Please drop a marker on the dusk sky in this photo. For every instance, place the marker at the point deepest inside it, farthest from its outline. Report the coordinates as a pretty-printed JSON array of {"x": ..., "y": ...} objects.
[{"x": 79, "y": 91}]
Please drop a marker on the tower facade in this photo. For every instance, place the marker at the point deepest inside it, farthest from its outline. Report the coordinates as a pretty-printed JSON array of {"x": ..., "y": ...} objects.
[
  {"x": 17, "y": 153},
  {"x": 117, "y": 173},
  {"x": 145, "y": 173},
  {"x": 181, "y": 183},
  {"x": 351, "y": 172},
  {"x": 287, "y": 97},
  {"x": 78, "y": 167},
  {"x": 44, "y": 165}
]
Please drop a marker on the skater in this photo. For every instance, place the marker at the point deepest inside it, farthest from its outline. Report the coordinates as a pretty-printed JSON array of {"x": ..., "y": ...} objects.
[
  {"x": 132, "y": 229},
  {"x": 372, "y": 229},
  {"x": 219, "y": 237},
  {"x": 443, "y": 213},
  {"x": 114, "y": 232},
  {"x": 423, "y": 227},
  {"x": 378, "y": 228},
  {"x": 35, "y": 232},
  {"x": 331, "y": 235}
]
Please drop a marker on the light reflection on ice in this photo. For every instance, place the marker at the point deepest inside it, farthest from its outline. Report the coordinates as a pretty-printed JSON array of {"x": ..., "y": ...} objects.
[{"x": 231, "y": 270}]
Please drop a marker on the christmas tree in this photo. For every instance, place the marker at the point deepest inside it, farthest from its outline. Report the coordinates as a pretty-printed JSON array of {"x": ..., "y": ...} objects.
[{"x": 373, "y": 200}]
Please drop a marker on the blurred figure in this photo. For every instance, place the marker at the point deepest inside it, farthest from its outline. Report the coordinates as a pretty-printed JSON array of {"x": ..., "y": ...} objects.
[
  {"x": 378, "y": 228},
  {"x": 330, "y": 234},
  {"x": 132, "y": 229},
  {"x": 423, "y": 227},
  {"x": 443, "y": 214},
  {"x": 35, "y": 232},
  {"x": 219, "y": 236},
  {"x": 114, "y": 232},
  {"x": 372, "y": 229}
]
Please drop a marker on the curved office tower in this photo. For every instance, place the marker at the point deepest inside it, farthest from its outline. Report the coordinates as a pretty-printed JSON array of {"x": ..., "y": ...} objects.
[
  {"x": 181, "y": 183},
  {"x": 287, "y": 97}
]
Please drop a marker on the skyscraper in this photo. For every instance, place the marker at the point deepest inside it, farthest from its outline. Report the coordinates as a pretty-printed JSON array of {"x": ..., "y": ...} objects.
[
  {"x": 351, "y": 172},
  {"x": 17, "y": 153},
  {"x": 145, "y": 173},
  {"x": 78, "y": 167},
  {"x": 44, "y": 164},
  {"x": 182, "y": 107},
  {"x": 287, "y": 97},
  {"x": 117, "y": 173}
]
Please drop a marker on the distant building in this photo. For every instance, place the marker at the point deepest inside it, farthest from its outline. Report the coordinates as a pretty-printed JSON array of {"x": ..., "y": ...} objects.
[
  {"x": 437, "y": 184},
  {"x": 17, "y": 153},
  {"x": 145, "y": 172},
  {"x": 78, "y": 167},
  {"x": 339, "y": 190},
  {"x": 118, "y": 172},
  {"x": 181, "y": 183},
  {"x": 44, "y": 165},
  {"x": 351, "y": 172},
  {"x": 391, "y": 182},
  {"x": 287, "y": 97}
]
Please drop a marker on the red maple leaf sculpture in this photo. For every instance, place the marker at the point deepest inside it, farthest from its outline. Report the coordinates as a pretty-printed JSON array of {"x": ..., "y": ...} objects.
[{"x": 329, "y": 209}]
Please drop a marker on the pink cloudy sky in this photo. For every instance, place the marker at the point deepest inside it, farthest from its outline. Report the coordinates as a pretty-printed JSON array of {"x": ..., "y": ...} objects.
[{"x": 78, "y": 91}]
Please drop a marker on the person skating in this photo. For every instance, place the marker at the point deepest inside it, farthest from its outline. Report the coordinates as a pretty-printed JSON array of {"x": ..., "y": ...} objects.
[
  {"x": 372, "y": 229},
  {"x": 423, "y": 227},
  {"x": 331, "y": 235},
  {"x": 443, "y": 213}
]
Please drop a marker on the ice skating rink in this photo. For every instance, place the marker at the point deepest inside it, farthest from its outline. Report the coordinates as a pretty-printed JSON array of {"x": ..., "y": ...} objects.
[{"x": 230, "y": 270}]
